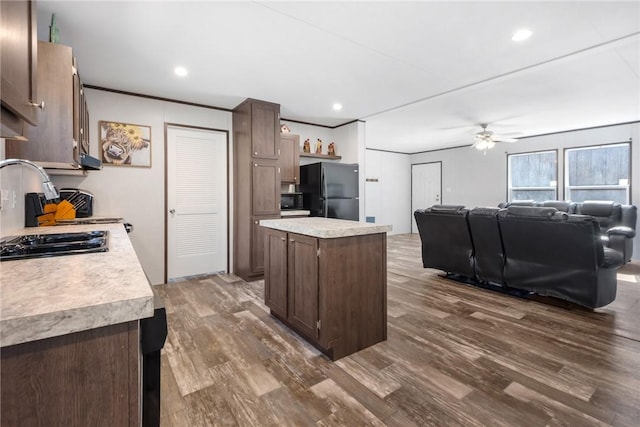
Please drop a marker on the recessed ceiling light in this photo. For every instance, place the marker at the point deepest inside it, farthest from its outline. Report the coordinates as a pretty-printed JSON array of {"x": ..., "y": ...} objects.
[
  {"x": 521, "y": 34},
  {"x": 337, "y": 106},
  {"x": 180, "y": 71}
]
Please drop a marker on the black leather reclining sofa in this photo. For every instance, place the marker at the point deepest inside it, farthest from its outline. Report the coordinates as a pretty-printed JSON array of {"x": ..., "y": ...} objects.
[
  {"x": 617, "y": 221},
  {"x": 536, "y": 249}
]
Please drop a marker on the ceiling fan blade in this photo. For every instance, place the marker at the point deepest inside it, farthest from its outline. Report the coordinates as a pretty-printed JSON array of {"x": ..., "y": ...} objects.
[{"x": 498, "y": 138}]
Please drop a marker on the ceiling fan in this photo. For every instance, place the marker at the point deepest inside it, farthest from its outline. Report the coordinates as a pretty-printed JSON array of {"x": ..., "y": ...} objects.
[{"x": 486, "y": 139}]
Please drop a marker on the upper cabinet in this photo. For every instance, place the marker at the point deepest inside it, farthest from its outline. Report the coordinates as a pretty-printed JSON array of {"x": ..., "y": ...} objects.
[
  {"x": 289, "y": 158},
  {"x": 62, "y": 133},
  {"x": 18, "y": 64},
  {"x": 265, "y": 130}
]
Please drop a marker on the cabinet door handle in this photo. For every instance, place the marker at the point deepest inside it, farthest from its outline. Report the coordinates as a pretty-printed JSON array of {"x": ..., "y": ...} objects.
[
  {"x": 283, "y": 239},
  {"x": 35, "y": 104},
  {"x": 255, "y": 222},
  {"x": 255, "y": 153},
  {"x": 255, "y": 165},
  {"x": 291, "y": 240}
]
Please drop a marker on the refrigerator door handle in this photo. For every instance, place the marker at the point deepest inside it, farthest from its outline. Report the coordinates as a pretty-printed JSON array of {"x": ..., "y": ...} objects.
[{"x": 323, "y": 182}]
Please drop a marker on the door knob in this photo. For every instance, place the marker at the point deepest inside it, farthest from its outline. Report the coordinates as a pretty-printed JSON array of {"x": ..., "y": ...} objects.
[
  {"x": 35, "y": 104},
  {"x": 172, "y": 211}
]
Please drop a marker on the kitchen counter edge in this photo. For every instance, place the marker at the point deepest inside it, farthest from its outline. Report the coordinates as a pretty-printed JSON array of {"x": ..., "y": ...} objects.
[
  {"x": 325, "y": 228},
  {"x": 48, "y": 297}
]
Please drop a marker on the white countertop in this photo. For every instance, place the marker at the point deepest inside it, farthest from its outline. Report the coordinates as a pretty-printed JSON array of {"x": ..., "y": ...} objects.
[
  {"x": 325, "y": 228},
  {"x": 48, "y": 297},
  {"x": 298, "y": 212}
]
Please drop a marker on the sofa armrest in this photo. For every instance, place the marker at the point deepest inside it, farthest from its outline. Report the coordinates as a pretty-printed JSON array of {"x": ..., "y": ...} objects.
[
  {"x": 622, "y": 231},
  {"x": 612, "y": 258}
]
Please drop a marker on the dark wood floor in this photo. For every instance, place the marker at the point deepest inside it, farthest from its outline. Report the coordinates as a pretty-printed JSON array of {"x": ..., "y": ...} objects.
[{"x": 456, "y": 356}]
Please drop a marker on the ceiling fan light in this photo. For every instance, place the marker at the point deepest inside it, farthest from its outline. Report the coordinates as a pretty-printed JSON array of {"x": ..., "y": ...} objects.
[
  {"x": 482, "y": 145},
  {"x": 490, "y": 144},
  {"x": 521, "y": 35}
]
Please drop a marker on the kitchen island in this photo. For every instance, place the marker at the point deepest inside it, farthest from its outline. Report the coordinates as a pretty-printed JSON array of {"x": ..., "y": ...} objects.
[
  {"x": 69, "y": 332},
  {"x": 327, "y": 280}
]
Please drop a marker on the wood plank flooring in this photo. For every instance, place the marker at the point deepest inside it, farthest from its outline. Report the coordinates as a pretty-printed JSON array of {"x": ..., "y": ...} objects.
[{"x": 456, "y": 355}]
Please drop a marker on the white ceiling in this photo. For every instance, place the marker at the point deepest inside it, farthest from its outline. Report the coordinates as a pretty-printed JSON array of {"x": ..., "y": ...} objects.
[{"x": 423, "y": 75}]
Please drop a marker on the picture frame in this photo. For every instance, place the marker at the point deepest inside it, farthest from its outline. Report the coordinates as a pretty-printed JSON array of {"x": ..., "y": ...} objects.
[{"x": 125, "y": 144}]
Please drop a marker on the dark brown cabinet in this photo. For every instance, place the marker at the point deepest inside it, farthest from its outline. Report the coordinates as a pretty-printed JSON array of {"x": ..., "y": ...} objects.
[
  {"x": 331, "y": 291},
  {"x": 256, "y": 133},
  {"x": 265, "y": 129},
  {"x": 257, "y": 243},
  {"x": 62, "y": 132},
  {"x": 302, "y": 258},
  {"x": 275, "y": 290},
  {"x": 265, "y": 182},
  {"x": 86, "y": 378},
  {"x": 291, "y": 279},
  {"x": 289, "y": 158},
  {"x": 18, "y": 61}
]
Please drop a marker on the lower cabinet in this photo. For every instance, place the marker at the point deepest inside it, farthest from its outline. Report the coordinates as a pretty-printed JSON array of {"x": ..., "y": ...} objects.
[
  {"x": 331, "y": 291},
  {"x": 87, "y": 378},
  {"x": 257, "y": 245}
]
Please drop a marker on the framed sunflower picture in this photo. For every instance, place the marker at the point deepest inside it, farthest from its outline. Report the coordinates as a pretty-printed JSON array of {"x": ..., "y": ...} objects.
[{"x": 124, "y": 144}]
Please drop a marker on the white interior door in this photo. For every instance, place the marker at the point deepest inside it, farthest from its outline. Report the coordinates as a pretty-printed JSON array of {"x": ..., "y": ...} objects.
[
  {"x": 197, "y": 202},
  {"x": 426, "y": 188}
]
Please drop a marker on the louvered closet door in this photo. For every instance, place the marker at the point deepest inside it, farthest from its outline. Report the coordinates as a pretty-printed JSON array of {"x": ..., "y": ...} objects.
[{"x": 196, "y": 202}]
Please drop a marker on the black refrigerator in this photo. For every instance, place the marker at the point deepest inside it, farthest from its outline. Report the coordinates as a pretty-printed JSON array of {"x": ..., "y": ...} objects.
[{"x": 330, "y": 190}]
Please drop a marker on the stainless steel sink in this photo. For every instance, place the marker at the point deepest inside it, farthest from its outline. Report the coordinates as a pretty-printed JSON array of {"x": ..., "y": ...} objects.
[{"x": 46, "y": 245}]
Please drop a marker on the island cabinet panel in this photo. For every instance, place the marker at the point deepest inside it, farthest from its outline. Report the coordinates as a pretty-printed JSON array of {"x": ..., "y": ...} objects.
[
  {"x": 352, "y": 293},
  {"x": 88, "y": 378},
  {"x": 303, "y": 284},
  {"x": 336, "y": 288},
  {"x": 275, "y": 269}
]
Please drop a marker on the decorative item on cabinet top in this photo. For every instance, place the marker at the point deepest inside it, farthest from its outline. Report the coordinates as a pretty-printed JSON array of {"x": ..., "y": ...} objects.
[
  {"x": 284, "y": 128},
  {"x": 125, "y": 144}
]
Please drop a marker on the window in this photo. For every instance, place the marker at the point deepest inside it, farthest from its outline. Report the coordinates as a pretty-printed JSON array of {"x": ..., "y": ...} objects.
[
  {"x": 598, "y": 173},
  {"x": 533, "y": 176}
]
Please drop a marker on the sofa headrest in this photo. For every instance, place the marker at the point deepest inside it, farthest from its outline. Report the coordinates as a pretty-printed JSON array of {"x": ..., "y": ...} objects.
[
  {"x": 522, "y": 203},
  {"x": 481, "y": 211},
  {"x": 561, "y": 205},
  {"x": 532, "y": 211},
  {"x": 597, "y": 208},
  {"x": 448, "y": 208},
  {"x": 580, "y": 218}
]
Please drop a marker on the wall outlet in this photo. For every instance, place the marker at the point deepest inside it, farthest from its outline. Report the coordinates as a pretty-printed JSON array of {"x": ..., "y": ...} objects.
[
  {"x": 7, "y": 199},
  {"x": 4, "y": 199}
]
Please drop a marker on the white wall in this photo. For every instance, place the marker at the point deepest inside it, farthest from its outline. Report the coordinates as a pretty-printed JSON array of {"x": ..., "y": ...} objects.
[
  {"x": 389, "y": 199},
  {"x": 15, "y": 181},
  {"x": 472, "y": 179},
  {"x": 349, "y": 142},
  {"x": 135, "y": 194}
]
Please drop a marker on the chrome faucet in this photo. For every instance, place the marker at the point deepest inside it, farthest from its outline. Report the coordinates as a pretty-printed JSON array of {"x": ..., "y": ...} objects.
[{"x": 50, "y": 191}]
